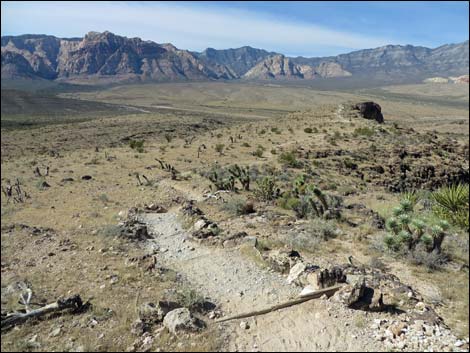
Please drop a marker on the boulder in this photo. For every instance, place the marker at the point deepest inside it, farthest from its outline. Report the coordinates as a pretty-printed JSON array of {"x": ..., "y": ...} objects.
[
  {"x": 371, "y": 111},
  {"x": 181, "y": 320},
  {"x": 151, "y": 313}
]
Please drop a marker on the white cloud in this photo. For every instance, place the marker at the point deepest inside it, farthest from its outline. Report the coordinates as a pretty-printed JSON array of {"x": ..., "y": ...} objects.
[{"x": 187, "y": 27}]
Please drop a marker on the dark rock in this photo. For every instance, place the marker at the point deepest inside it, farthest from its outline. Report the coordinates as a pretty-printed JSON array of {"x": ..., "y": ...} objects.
[
  {"x": 87, "y": 177},
  {"x": 67, "y": 180},
  {"x": 371, "y": 111},
  {"x": 44, "y": 185}
]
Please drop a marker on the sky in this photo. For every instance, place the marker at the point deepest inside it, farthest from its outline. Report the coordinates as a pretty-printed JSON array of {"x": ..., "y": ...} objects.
[{"x": 292, "y": 28}]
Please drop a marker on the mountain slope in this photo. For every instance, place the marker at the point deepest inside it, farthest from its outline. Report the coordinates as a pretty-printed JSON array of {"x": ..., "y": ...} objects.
[
  {"x": 238, "y": 61},
  {"x": 115, "y": 58}
]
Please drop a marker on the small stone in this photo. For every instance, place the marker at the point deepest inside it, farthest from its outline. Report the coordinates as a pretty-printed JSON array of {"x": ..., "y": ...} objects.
[
  {"x": 459, "y": 343},
  {"x": 56, "y": 332},
  {"x": 244, "y": 325}
]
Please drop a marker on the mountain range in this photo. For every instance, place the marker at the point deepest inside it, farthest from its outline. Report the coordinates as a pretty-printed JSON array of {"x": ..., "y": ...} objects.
[{"x": 109, "y": 57}]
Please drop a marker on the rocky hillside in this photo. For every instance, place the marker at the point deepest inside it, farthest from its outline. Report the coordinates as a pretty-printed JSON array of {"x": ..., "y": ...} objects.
[
  {"x": 238, "y": 61},
  {"x": 106, "y": 55},
  {"x": 281, "y": 67}
]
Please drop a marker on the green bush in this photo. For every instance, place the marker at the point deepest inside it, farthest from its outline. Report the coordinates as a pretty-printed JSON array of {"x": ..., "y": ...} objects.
[
  {"x": 238, "y": 206},
  {"x": 363, "y": 131},
  {"x": 316, "y": 232},
  {"x": 258, "y": 152},
  {"x": 219, "y": 148},
  {"x": 137, "y": 145},
  {"x": 308, "y": 130},
  {"x": 289, "y": 159}
]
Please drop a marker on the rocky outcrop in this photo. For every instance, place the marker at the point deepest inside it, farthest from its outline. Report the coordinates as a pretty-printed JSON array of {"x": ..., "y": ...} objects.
[
  {"x": 280, "y": 67},
  {"x": 371, "y": 111},
  {"x": 102, "y": 55}
]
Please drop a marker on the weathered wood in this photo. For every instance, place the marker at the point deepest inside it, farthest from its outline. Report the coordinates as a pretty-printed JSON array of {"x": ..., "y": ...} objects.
[
  {"x": 327, "y": 291},
  {"x": 74, "y": 302}
]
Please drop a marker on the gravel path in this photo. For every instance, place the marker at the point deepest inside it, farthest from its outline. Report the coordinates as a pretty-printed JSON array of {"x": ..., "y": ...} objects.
[
  {"x": 223, "y": 275},
  {"x": 238, "y": 285}
]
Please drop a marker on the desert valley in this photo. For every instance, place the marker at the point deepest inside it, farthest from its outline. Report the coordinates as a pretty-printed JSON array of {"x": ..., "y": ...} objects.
[{"x": 162, "y": 199}]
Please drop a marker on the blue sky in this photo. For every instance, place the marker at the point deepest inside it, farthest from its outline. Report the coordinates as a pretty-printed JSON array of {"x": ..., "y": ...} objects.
[{"x": 292, "y": 28}]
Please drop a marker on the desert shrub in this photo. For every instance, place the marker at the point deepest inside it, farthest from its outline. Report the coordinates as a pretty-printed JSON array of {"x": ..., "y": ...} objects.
[
  {"x": 431, "y": 260},
  {"x": 104, "y": 198},
  {"x": 321, "y": 228},
  {"x": 288, "y": 202},
  {"x": 168, "y": 137},
  {"x": 363, "y": 131},
  {"x": 190, "y": 299},
  {"x": 238, "y": 206},
  {"x": 262, "y": 132},
  {"x": 289, "y": 159},
  {"x": 316, "y": 232},
  {"x": 348, "y": 163},
  {"x": 302, "y": 208},
  {"x": 308, "y": 130},
  {"x": 111, "y": 230},
  {"x": 137, "y": 145},
  {"x": 266, "y": 189},
  {"x": 245, "y": 144},
  {"x": 219, "y": 148},
  {"x": 273, "y": 151},
  {"x": 258, "y": 152},
  {"x": 452, "y": 204},
  {"x": 276, "y": 130}
]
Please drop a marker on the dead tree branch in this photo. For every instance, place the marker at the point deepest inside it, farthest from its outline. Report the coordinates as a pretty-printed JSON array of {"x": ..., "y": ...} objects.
[{"x": 75, "y": 303}]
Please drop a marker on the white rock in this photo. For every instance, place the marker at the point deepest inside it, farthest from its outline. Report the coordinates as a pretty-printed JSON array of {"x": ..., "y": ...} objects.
[
  {"x": 56, "y": 332},
  {"x": 306, "y": 291},
  {"x": 295, "y": 272},
  {"x": 200, "y": 224},
  {"x": 244, "y": 325},
  {"x": 180, "y": 319}
]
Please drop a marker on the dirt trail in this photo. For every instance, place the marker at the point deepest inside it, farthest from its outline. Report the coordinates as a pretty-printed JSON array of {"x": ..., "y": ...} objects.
[{"x": 238, "y": 285}]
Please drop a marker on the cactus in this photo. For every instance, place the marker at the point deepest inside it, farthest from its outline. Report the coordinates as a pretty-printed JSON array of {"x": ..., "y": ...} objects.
[
  {"x": 405, "y": 229},
  {"x": 169, "y": 168},
  {"x": 222, "y": 184},
  {"x": 267, "y": 190},
  {"x": 242, "y": 174}
]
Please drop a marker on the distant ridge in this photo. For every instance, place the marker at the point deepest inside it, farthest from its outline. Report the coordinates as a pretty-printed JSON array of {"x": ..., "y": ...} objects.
[{"x": 109, "y": 57}]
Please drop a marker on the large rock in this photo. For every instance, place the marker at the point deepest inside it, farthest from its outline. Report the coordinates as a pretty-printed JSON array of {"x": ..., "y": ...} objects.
[
  {"x": 151, "y": 313},
  {"x": 371, "y": 111},
  {"x": 181, "y": 320}
]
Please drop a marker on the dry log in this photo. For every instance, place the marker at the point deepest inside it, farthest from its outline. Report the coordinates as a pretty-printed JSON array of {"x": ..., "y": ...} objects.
[
  {"x": 327, "y": 291},
  {"x": 74, "y": 302}
]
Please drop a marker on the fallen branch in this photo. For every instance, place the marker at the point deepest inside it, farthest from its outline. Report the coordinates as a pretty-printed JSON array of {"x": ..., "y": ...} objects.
[
  {"x": 327, "y": 291},
  {"x": 74, "y": 302}
]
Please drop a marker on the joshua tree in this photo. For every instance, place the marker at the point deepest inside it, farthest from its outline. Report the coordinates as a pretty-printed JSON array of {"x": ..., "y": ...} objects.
[{"x": 242, "y": 174}]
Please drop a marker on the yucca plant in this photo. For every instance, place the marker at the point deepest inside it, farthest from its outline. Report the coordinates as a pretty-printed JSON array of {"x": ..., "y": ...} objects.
[
  {"x": 406, "y": 229},
  {"x": 411, "y": 196},
  {"x": 452, "y": 204}
]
